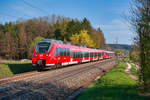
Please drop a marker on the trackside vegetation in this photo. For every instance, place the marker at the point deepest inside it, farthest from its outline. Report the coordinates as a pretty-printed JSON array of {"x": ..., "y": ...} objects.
[
  {"x": 114, "y": 85},
  {"x": 133, "y": 70},
  {"x": 21, "y": 36},
  {"x": 16, "y": 67}
]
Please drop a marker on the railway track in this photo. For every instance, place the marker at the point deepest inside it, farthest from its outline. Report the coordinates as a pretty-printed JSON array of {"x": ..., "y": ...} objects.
[{"x": 54, "y": 84}]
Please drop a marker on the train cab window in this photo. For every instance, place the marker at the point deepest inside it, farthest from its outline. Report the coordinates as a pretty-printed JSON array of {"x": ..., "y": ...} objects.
[{"x": 43, "y": 47}]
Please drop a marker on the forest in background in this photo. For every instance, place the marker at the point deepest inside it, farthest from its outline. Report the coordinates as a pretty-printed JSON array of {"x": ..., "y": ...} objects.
[{"x": 17, "y": 39}]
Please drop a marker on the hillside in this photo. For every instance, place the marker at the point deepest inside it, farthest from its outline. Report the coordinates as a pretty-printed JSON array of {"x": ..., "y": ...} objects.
[{"x": 119, "y": 46}]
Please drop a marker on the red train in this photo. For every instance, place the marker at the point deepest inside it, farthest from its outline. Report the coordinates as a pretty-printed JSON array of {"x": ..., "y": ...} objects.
[{"x": 50, "y": 52}]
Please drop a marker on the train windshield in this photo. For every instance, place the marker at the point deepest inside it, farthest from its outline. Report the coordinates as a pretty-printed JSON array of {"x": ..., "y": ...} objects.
[{"x": 43, "y": 47}]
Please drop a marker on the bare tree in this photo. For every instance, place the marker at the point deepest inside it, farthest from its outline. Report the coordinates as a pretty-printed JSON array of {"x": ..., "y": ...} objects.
[{"x": 140, "y": 21}]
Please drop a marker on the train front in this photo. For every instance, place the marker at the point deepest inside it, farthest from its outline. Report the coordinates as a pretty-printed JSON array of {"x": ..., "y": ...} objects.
[{"x": 41, "y": 54}]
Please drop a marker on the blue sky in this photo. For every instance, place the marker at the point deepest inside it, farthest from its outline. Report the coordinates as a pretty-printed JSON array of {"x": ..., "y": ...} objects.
[{"x": 106, "y": 14}]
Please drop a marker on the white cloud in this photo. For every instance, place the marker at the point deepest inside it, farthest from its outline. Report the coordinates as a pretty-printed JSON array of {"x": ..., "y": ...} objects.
[{"x": 117, "y": 28}]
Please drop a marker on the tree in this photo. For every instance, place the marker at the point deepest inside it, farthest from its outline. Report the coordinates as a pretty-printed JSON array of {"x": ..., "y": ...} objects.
[
  {"x": 86, "y": 25},
  {"x": 22, "y": 44},
  {"x": 31, "y": 46},
  {"x": 23, "y": 32},
  {"x": 73, "y": 27},
  {"x": 140, "y": 21},
  {"x": 102, "y": 39},
  {"x": 134, "y": 54},
  {"x": 9, "y": 46},
  {"x": 82, "y": 38}
]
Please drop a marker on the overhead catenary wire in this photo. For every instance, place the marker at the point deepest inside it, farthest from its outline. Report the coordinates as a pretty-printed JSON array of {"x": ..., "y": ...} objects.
[
  {"x": 8, "y": 15},
  {"x": 33, "y": 6}
]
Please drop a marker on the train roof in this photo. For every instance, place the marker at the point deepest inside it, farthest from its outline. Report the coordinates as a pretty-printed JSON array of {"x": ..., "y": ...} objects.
[{"x": 79, "y": 45}]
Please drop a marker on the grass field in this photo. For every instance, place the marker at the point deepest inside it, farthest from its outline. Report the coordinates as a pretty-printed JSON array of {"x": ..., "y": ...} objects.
[
  {"x": 15, "y": 67},
  {"x": 114, "y": 85},
  {"x": 133, "y": 70}
]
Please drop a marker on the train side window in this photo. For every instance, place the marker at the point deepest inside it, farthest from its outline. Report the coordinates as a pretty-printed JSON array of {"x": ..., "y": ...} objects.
[
  {"x": 83, "y": 54},
  {"x": 61, "y": 52},
  {"x": 58, "y": 51},
  {"x": 64, "y": 51},
  {"x": 69, "y": 51},
  {"x": 87, "y": 54},
  {"x": 74, "y": 56},
  {"x": 103, "y": 53},
  {"x": 55, "y": 52},
  {"x": 79, "y": 54}
]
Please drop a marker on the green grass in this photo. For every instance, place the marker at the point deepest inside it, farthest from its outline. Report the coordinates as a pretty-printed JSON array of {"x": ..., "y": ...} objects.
[
  {"x": 133, "y": 70},
  {"x": 114, "y": 85},
  {"x": 16, "y": 67}
]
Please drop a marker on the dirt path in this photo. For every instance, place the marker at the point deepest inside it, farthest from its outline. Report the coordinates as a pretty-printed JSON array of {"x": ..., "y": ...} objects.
[{"x": 127, "y": 70}]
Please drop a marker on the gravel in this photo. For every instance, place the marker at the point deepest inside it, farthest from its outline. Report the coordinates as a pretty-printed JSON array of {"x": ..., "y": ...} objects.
[{"x": 53, "y": 85}]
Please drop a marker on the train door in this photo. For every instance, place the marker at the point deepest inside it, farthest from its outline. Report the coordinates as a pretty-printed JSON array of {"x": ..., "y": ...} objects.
[{"x": 71, "y": 56}]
